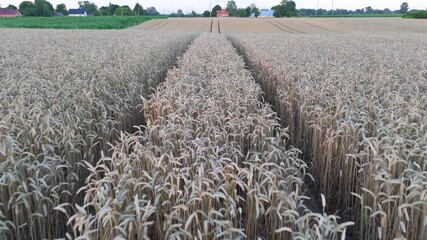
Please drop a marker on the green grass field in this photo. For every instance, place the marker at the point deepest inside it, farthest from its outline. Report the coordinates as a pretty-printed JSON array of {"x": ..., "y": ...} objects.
[{"x": 108, "y": 22}]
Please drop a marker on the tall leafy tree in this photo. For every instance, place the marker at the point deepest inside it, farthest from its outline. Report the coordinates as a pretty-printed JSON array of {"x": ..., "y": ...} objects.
[
  {"x": 113, "y": 8},
  {"x": 285, "y": 9},
  {"x": 241, "y": 12},
  {"x": 90, "y": 7},
  {"x": 152, "y": 11},
  {"x": 231, "y": 7},
  {"x": 214, "y": 9},
  {"x": 255, "y": 10},
  {"x": 369, "y": 10},
  {"x": 180, "y": 13},
  {"x": 138, "y": 9},
  {"x": 123, "y": 11},
  {"x": 44, "y": 8},
  {"x": 387, "y": 11},
  {"x": 404, "y": 7},
  {"x": 291, "y": 9},
  {"x": 193, "y": 14},
  {"x": 206, "y": 13},
  {"x": 61, "y": 8},
  {"x": 104, "y": 11},
  {"x": 278, "y": 10},
  {"x": 27, "y": 8},
  {"x": 11, "y": 7},
  {"x": 248, "y": 11}
]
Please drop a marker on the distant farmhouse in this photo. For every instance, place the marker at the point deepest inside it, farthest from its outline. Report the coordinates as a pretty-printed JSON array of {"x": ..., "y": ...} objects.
[
  {"x": 9, "y": 13},
  {"x": 77, "y": 13},
  {"x": 265, "y": 13},
  {"x": 222, "y": 13}
]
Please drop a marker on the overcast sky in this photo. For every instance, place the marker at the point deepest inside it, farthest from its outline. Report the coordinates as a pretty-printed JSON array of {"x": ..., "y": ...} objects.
[{"x": 168, "y": 6}]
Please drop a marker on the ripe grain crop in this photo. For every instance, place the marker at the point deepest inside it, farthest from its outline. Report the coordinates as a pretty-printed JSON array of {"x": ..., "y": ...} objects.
[
  {"x": 289, "y": 25},
  {"x": 64, "y": 96},
  {"x": 356, "y": 107},
  {"x": 211, "y": 163}
]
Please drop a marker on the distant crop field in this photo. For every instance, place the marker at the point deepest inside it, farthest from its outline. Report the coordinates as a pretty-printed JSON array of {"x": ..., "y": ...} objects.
[
  {"x": 287, "y": 25},
  {"x": 107, "y": 22}
]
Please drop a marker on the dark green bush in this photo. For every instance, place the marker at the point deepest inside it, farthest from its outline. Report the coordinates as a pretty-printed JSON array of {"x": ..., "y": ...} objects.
[{"x": 418, "y": 14}]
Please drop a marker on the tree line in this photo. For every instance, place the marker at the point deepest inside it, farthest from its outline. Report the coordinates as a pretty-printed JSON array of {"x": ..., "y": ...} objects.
[
  {"x": 44, "y": 8},
  {"x": 287, "y": 8},
  {"x": 404, "y": 8}
]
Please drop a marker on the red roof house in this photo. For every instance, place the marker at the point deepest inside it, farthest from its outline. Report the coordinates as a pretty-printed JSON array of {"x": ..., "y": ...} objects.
[
  {"x": 9, "y": 13},
  {"x": 222, "y": 13}
]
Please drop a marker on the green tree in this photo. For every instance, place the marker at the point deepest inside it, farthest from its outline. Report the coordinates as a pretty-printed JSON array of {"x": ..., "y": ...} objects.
[
  {"x": 138, "y": 10},
  {"x": 248, "y": 11},
  {"x": 108, "y": 10},
  {"x": 113, "y": 8},
  {"x": 206, "y": 13},
  {"x": 12, "y": 7},
  {"x": 27, "y": 8},
  {"x": 214, "y": 9},
  {"x": 123, "y": 11},
  {"x": 44, "y": 8},
  {"x": 369, "y": 10},
  {"x": 180, "y": 13},
  {"x": 193, "y": 14},
  {"x": 404, "y": 8},
  {"x": 231, "y": 7},
  {"x": 90, "y": 7},
  {"x": 278, "y": 10},
  {"x": 152, "y": 11},
  {"x": 104, "y": 12},
  {"x": 241, "y": 12},
  {"x": 285, "y": 9},
  {"x": 61, "y": 8},
  {"x": 387, "y": 11},
  {"x": 255, "y": 10},
  {"x": 291, "y": 9}
]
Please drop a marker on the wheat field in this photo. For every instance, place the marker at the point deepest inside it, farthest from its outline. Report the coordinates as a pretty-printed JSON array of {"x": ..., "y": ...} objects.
[
  {"x": 64, "y": 96},
  {"x": 215, "y": 129},
  {"x": 356, "y": 107},
  {"x": 288, "y": 25},
  {"x": 211, "y": 164}
]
